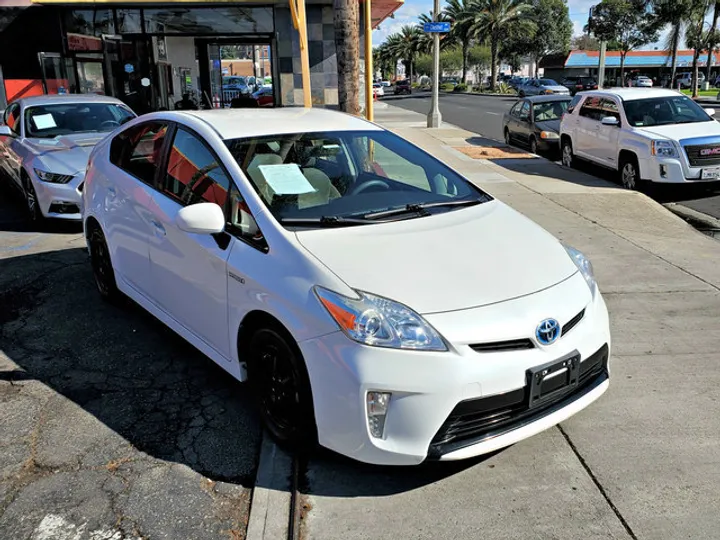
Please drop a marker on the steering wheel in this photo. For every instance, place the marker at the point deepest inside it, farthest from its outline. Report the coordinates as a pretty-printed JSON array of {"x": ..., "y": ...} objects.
[
  {"x": 109, "y": 124},
  {"x": 364, "y": 186}
]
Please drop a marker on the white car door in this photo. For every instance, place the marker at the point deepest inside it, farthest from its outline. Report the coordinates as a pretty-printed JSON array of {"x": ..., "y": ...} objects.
[
  {"x": 606, "y": 142},
  {"x": 128, "y": 187},
  {"x": 588, "y": 125},
  {"x": 189, "y": 271}
]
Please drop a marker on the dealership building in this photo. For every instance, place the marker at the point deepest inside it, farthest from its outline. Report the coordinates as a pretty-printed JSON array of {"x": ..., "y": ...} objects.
[{"x": 149, "y": 54}]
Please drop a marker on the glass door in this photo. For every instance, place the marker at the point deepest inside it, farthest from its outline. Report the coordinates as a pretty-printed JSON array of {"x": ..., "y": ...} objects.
[
  {"x": 216, "y": 77},
  {"x": 54, "y": 73},
  {"x": 113, "y": 72},
  {"x": 91, "y": 74}
]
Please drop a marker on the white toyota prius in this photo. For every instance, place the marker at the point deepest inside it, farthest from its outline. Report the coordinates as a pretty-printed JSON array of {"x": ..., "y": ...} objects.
[{"x": 378, "y": 302}]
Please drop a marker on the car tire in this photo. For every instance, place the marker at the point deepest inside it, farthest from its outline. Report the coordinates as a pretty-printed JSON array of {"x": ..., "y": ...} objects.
[
  {"x": 533, "y": 145},
  {"x": 102, "y": 267},
  {"x": 630, "y": 173},
  {"x": 567, "y": 156},
  {"x": 32, "y": 204},
  {"x": 508, "y": 137},
  {"x": 281, "y": 385}
]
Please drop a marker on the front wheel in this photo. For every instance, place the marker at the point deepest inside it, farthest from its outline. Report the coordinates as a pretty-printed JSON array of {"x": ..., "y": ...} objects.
[
  {"x": 31, "y": 201},
  {"x": 282, "y": 387},
  {"x": 102, "y": 266},
  {"x": 629, "y": 173},
  {"x": 533, "y": 145},
  {"x": 568, "y": 157}
]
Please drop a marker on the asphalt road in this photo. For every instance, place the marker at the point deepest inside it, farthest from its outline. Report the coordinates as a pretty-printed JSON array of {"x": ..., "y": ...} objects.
[{"x": 484, "y": 115}]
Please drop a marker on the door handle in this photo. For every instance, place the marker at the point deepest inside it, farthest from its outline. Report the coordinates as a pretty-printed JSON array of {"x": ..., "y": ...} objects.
[
  {"x": 159, "y": 229},
  {"x": 112, "y": 192}
]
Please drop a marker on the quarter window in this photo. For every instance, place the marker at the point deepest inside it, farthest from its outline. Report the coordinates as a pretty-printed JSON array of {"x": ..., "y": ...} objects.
[
  {"x": 138, "y": 150},
  {"x": 12, "y": 116},
  {"x": 525, "y": 111}
]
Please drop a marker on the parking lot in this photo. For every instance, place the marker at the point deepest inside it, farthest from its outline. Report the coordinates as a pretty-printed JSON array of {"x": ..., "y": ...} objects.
[{"x": 111, "y": 426}]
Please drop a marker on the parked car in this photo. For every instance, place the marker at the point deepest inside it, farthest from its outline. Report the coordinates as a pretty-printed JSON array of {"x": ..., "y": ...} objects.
[
  {"x": 277, "y": 244},
  {"x": 642, "y": 82},
  {"x": 685, "y": 80},
  {"x": 236, "y": 83},
  {"x": 46, "y": 140},
  {"x": 535, "y": 122},
  {"x": 645, "y": 134},
  {"x": 516, "y": 82},
  {"x": 537, "y": 87},
  {"x": 386, "y": 84},
  {"x": 403, "y": 87},
  {"x": 579, "y": 84},
  {"x": 264, "y": 96},
  {"x": 378, "y": 90}
]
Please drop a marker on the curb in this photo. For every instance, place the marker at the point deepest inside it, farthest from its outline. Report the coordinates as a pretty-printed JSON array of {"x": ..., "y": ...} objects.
[
  {"x": 480, "y": 94},
  {"x": 270, "y": 503},
  {"x": 690, "y": 215}
]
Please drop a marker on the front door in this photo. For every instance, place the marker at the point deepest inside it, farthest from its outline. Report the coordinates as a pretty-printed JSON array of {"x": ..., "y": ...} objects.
[
  {"x": 606, "y": 143},
  {"x": 189, "y": 271}
]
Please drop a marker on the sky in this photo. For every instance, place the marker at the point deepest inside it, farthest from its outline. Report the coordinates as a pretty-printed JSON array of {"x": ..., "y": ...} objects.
[{"x": 408, "y": 13}]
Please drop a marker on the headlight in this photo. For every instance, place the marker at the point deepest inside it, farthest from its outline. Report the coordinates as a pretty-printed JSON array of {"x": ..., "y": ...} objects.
[
  {"x": 585, "y": 266},
  {"x": 664, "y": 149},
  {"x": 53, "y": 177},
  {"x": 377, "y": 321},
  {"x": 549, "y": 135}
]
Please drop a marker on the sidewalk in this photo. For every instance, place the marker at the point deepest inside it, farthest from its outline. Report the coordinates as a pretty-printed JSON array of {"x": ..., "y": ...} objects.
[{"x": 642, "y": 462}]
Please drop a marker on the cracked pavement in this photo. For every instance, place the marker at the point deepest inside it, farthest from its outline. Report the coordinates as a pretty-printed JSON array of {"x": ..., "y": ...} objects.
[{"x": 111, "y": 426}]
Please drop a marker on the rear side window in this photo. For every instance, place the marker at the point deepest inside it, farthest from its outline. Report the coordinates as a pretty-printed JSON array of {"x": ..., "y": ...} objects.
[{"x": 138, "y": 150}]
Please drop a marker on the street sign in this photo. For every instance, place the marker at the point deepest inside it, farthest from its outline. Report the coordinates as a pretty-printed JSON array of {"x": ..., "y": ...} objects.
[{"x": 436, "y": 27}]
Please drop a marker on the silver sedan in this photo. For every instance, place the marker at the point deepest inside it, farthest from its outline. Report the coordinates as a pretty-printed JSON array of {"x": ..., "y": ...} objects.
[{"x": 45, "y": 142}]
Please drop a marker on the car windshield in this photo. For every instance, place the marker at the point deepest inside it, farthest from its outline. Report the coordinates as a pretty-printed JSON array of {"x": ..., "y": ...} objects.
[
  {"x": 48, "y": 121},
  {"x": 349, "y": 174},
  {"x": 548, "y": 82},
  {"x": 234, "y": 80},
  {"x": 552, "y": 110},
  {"x": 663, "y": 111}
]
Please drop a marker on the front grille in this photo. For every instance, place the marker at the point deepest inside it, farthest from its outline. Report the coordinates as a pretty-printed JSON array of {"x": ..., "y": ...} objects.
[
  {"x": 572, "y": 323},
  {"x": 696, "y": 159},
  {"x": 475, "y": 420},
  {"x": 501, "y": 346}
]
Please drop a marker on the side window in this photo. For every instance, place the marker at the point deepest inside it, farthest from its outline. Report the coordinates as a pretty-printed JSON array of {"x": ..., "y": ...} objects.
[
  {"x": 194, "y": 173},
  {"x": 12, "y": 115},
  {"x": 515, "y": 111},
  {"x": 609, "y": 108},
  {"x": 591, "y": 108},
  {"x": 574, "y": 103},
  {"x": 138, "y": 150},
  {"x": 525, "y": 111}
]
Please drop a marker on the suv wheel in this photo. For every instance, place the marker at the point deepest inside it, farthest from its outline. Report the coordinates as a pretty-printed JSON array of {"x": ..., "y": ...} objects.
[
  {"x": 568, "y": 158},
  {"x": 629, "y": 173}
]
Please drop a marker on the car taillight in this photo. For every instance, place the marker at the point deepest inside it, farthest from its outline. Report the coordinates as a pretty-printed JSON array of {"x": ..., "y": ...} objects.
[{"x": 578, "y": 86}]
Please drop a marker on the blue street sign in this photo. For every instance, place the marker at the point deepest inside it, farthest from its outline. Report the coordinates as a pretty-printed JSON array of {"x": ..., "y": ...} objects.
[{"x": 436, "y": 27}]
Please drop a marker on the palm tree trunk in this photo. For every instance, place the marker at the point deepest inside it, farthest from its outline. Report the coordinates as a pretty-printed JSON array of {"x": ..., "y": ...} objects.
[
  {"x": 711, "y": 41},
  {"x": 623, "y": 54},
  {"x": 696, "y": 54},
  {"x": 347, "y": 47},
  {"x": 493, "y": 60},
  {"x": 675, "y": 42},
  {"x": 465, "y": 48}
]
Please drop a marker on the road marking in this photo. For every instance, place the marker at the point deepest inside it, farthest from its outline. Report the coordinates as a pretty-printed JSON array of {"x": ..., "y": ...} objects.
[{"x": 493, "y": 113}]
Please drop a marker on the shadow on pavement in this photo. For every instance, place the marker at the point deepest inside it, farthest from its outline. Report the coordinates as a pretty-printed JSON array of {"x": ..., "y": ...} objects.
[{"x": 126, "y": 369}]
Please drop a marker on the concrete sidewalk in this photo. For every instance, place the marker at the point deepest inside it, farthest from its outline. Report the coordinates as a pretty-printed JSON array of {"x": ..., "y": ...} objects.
[{"x": 642, "y": 462}]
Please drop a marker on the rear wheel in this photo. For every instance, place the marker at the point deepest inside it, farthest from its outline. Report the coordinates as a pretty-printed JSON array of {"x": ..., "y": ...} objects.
[
  {"x": 282, "y": 387},
  {"x": 568, "y": 157},
  {"x": 508, "y": 138}
]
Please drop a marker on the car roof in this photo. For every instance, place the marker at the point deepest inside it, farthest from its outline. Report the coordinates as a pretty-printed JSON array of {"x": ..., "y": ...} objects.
[
  {"x": 631, "y": 94},
  {"x": 56, "y": 99},
  {"x": 545, "y": 99},
  {"x": 241, "y": 123}
]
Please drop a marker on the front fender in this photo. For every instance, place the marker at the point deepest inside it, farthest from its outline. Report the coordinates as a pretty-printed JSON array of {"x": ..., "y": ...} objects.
[{"x": 639, "y": 147}]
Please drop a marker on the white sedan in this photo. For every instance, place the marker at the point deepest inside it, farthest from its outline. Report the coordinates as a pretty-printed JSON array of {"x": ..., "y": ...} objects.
[
  {"x": 379, "y": 303},
  {"x": 45, "y": 142}
]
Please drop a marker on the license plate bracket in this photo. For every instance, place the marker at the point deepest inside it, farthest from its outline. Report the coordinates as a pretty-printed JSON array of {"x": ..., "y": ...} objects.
[
  {"x": 712, "y": 173},
  {"x": 553, "y": 379}
]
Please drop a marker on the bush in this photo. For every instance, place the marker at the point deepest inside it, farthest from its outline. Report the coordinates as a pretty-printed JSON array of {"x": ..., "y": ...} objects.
[
  {"x": 447, "y": 87},
  {"x": 462, "y": 87},
  {"x": 415, "y": 85},
  {"x": 503, "y": 88}
]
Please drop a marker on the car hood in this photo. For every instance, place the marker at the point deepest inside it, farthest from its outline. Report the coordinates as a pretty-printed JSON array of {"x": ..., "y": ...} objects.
[
  {"x": 549, "y": 125},
  {"x": 67, "y": 154},
  {"x": 684, "y": 131},
  {"x": 455, "y": 260}
]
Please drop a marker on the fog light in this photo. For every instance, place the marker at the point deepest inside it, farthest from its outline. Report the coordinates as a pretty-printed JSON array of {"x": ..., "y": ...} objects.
[
  {"x": 663, "y": 171},
  {"x": 377, "y": 406}
]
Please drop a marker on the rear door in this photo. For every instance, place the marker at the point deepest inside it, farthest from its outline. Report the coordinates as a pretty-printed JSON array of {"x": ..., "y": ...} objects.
[
  {"x": 128, "y": 190},
  {"x": 588, "y": 125},
  {"x": 523, "y": 129}
]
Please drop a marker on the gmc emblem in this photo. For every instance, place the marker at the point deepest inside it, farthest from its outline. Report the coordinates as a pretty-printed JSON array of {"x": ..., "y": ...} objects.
[{"x": 710, "y": 151}]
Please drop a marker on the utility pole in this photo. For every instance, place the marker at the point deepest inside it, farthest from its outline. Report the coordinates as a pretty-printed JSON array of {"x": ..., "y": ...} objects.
[
  {"x": 601, "y": 68},
  {"x": 434, "y": 117}
]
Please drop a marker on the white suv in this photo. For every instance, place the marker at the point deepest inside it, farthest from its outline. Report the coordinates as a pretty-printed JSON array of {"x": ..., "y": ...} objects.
[{"x": 645, "y": 134}]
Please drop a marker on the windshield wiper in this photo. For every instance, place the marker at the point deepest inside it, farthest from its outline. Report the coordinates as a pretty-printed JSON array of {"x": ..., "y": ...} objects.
[
  {"x": 324, "y": 221},
  {"x": 420, "y": 208}
]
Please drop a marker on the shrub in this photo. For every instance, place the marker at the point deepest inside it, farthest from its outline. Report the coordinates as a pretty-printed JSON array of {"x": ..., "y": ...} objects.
[
  {"x": 462, "y": 87},
  {"x": 447, "y": 87}
]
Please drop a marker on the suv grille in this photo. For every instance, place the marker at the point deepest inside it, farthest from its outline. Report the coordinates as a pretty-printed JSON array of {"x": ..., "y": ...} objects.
[
  {"x": 475, "y": 420},
  {"x": 696, "y": 157}
]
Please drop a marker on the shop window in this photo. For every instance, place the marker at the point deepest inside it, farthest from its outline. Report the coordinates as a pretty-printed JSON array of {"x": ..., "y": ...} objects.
[
  {"x": 90, "y": 22},
  {"x": 129, "y": 21},
  {"x": 216, "y": 20}
]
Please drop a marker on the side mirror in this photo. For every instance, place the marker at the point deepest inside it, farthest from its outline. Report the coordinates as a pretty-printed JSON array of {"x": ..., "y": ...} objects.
[
  {"x": 710, "y": 112},
  {"x": 610, "y": 121},
  {"x": 5, "y": 131},
  {"x": 201, "y": 218}
]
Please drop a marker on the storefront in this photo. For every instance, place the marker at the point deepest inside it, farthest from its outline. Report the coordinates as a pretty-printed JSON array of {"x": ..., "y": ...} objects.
[{"x": 151, "y": 56}]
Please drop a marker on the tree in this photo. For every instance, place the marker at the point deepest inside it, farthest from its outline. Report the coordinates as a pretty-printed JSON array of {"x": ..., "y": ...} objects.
[
  {"x": 713, "y": 38},
  {"x": 674, "y": 13},
  {"x": 586, "y": 42},
  {"x": 696, "y": 37},
  {"x": 627, "y": 22},
  {"x": 450, "y": 60},
  {"x": 406, "y": 44},
  {"x": 553, "y": 29},
  {"x": 347, "y": 46},
  {"x": 384, "y": 61},
  {"x": 491, "y": 20},
  {"x": 456, "y": 12}
]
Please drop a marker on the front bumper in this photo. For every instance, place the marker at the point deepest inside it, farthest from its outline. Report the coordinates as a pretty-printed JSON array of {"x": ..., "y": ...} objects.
[
  {"x": 427, "y": 387},
  {"x": 671, "y": 171},
  {"x": 60, "y": 201}
]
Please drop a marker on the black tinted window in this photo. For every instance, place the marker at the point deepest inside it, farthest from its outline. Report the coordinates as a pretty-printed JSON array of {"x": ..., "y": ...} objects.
[
  {"x": 194, "y": 173},
  {"x": 591, "y": 108},
  {"x": 138, "y": 150}
]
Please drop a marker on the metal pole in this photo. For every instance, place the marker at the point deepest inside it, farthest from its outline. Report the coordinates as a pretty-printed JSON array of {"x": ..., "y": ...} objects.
[
  {"x": 601, "y": 69},
  {"x": 369, "y": 113},
  {"x": 434, "y": 117}
]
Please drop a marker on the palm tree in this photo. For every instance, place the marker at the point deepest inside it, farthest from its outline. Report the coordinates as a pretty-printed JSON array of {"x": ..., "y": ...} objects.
[
  {"x": 384, "y": 59},
  {"x": 491, "y": 19},
  {"x": 406, "y": 44},
  {"x": 713, "y": 38},
  {"x": 347, "y": 45},
  {"x": 676, "y": 14},
  {"x": 696, "y": 37},
  {"x": 457, "y": 13}
]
